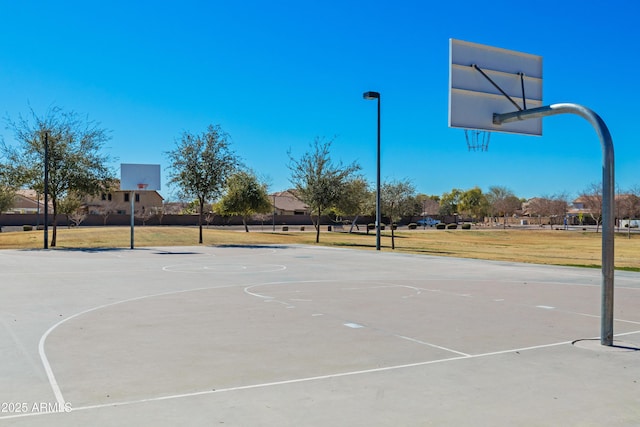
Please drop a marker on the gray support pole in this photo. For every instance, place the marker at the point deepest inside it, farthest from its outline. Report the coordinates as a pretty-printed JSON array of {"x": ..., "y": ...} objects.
[
  {"x": 376, "y": 95},
  {"x": 133, "y": 206},
  {"x": 46, "y": 190},
  {"x": 378, "y": 196},
  {"x": 608, "y": 198}
]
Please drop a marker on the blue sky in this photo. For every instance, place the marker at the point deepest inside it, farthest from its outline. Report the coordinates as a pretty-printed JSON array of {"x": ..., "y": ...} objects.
[{"x": 276, "y": 75}]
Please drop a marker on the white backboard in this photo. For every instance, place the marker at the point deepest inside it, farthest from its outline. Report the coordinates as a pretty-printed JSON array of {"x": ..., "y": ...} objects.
[
  {"x": 137, "y": 177},
  {"x": 473, "y": 99}
]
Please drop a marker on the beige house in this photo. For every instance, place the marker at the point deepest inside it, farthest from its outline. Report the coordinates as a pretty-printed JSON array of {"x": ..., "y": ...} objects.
[
  {"x": 119, "y": 202},
  {"x": 27, "y": 202},
  {"x": 114, "y": 202},
  {"x": 286, "y": 203}
]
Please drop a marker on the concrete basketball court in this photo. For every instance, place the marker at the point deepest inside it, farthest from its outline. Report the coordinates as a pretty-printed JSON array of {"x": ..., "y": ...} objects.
[{"x": 309, "y": 336}]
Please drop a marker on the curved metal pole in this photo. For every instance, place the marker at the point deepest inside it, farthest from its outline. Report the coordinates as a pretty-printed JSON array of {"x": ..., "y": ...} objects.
[{"x": 608, "y": 198}]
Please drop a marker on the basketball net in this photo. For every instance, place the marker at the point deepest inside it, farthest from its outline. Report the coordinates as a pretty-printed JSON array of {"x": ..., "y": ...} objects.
[
  {"x": 477, "y": 140},
  {"x": 142, "y": 186}
]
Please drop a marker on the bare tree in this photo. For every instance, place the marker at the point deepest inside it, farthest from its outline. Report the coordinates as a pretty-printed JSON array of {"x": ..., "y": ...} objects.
[
  {"x": 592, "y": 199},
  {"x": 106, "y": 209},
  {"x": 628, "y": 205},
  {"x": 555, "y": 206},
  {"x": 538, "y": 206},
  {"x": 144, "y": 214},
  {"x": 70, "y": 206},
  {"x": 77, "y": 217},
  {"x": 396, "y": 201},
  {"x": 429, "y": 205},
  {"x": 503, "y": 202},
  {"x": 559, "y": 205},
  {"x": 159, "y": 212}
]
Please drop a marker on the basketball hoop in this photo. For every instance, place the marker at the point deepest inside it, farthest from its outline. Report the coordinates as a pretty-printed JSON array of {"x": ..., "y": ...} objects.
[
  {"x": 477, "y": 140},
  {"x": 142, "y": 186}
]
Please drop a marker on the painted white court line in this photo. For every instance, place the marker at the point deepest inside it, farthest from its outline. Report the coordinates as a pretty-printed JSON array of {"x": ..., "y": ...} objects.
[
  {"x": 353, "y": 325},
  {"x": 223, "y": 268},
  {"x": 19, "y": 345},
  {"x": 248, "y": 290},
  {"x": 432, "y": 345},
  {"x": 43, "y": 356},
  {"x": 61, "y": 402},
  {"x": 304, "y": 379}
]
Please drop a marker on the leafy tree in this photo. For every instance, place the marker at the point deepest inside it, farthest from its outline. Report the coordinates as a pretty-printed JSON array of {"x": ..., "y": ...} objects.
[
  {"x": 396, "y": 198},
  {"x": 7, "y": 195},
  {"x": 7, "y": 191},
  {"x": 474, "y": 203},
  {"x": 449, "y": 202},
  {"x": 319, "y": 182},
  {"x": 356, "y": 199},
  {"x": 200, "y": 166},
  {"x": 76, "y": 164},
  {"x": 245, "y": 196}
]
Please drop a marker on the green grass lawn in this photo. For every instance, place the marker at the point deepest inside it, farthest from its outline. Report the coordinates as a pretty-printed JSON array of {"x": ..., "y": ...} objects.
[{"x": 556, "y": 247}]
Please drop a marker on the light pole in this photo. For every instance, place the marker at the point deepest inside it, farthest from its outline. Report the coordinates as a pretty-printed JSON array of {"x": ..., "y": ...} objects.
[
  {"x": 376, "y": 95},
  {"x": 274, "y": 212},
  {"x": 46, "y": 190}
]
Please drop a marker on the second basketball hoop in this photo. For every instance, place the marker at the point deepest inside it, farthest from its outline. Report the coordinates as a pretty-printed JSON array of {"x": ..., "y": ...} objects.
[{"x": 477, "y": 140}]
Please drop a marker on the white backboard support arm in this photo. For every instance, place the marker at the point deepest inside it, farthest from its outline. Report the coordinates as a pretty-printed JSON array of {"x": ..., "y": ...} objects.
[{"x": 608, "y": 198}]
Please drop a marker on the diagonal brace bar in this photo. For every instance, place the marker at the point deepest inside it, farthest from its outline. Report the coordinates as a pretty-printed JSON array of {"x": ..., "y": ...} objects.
[
  {"x": 498, "y": 87},
  {"x": 608, "y": 198}
]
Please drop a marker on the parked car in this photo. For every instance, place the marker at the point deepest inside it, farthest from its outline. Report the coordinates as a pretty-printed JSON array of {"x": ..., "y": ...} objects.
[{"x": 427, "y": 222}]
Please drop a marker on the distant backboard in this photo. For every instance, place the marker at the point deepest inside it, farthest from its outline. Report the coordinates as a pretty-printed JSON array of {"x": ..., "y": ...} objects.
[
  {"x": 136, "y": 177},
  {"x": 473, "y": 98}
]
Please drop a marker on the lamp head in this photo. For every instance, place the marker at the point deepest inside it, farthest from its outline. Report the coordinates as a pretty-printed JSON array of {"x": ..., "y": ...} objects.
[{"x": 371, "y": 95}]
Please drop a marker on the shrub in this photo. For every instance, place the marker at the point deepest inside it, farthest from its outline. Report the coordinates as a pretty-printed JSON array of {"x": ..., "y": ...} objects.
[
  {"x": 371, "y": 226},
  {"x": 412, "y": 226},
  {"x": 466, "y": 226},
  {"x": 285, "y": 228},
  {"x": 452, "y": 226},
  {"x": 27, "y": 227},
  {"x": 441, "y": 226}
]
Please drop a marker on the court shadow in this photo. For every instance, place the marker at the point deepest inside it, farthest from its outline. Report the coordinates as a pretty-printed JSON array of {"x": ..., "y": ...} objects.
[{"x": 594, "y": 344}]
